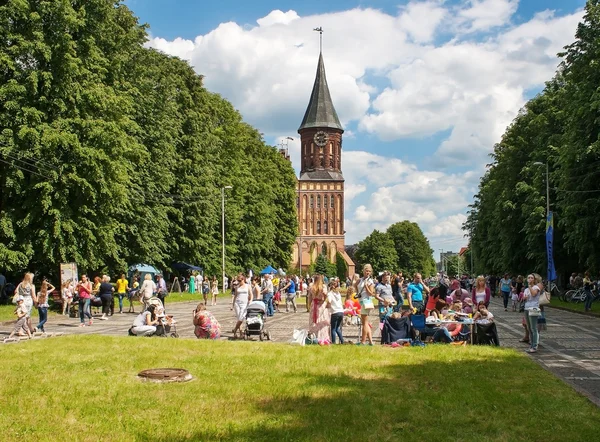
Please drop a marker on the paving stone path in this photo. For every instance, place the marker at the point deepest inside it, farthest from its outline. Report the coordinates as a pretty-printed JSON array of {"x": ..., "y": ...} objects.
[{"x": 569, "y": 348}]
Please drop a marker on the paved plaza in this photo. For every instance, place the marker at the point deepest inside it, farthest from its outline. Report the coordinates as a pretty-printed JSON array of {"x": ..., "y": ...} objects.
[{"x": 569, "y": 348}]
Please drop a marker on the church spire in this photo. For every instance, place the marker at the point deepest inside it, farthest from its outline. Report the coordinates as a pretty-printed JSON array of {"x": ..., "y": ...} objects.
[{"x": 320, "y": 112}]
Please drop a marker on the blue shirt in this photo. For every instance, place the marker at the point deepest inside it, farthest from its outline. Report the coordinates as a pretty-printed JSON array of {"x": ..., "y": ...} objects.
[
  {"x": 505, "y": 285},
  {"x": 292, "y": 287},
  {"x": 416, "y": 290}
]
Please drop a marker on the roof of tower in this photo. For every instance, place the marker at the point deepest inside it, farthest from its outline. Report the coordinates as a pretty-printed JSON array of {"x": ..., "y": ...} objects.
[{"x": 320, "y": 111}]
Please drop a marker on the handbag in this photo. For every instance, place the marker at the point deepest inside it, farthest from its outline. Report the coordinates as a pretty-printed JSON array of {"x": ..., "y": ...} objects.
[
  {"x": 367, "y": 303},
  {"x": 544, "y": 298},
  {"x": 534, "y": 311}
]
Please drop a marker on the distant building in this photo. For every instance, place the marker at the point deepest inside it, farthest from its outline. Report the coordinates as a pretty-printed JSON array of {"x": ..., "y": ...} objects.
[{"x": 320, "y": 189}]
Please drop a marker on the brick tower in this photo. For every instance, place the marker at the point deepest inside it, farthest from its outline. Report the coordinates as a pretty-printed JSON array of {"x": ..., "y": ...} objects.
[{"x": 320, "y": 191}]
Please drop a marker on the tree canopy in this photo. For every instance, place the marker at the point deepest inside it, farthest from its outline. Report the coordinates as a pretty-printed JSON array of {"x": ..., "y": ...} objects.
[
  {"x": 112, "y": 153},
  {"x": 403, "y": 247},
  {"x": 560, "y": 127}
]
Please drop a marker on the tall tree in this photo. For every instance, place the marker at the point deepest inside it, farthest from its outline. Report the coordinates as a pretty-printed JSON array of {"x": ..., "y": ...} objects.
[
  {"x": 413, "y": 252},
  {"x": 378, "y": 250}
]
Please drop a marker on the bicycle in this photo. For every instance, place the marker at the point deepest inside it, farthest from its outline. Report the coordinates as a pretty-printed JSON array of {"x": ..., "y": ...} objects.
[
  {"x": 555, "y": 291},
  {"x": 575, "y": 296}
]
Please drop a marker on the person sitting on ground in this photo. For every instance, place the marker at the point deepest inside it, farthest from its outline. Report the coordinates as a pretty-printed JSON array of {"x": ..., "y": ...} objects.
[
  {"x": 483, "y": 314},
  {"x": 206, "y": 325},
  {"x": 21, "y": 324},
  {"x": 467, "y": 306},
  {"x": 145, "y": 323}
]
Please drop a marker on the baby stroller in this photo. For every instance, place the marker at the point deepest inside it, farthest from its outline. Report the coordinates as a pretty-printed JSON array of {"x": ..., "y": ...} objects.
[
  {"x": 255, "y": 321},
  {"x": 167, "y": 324}
]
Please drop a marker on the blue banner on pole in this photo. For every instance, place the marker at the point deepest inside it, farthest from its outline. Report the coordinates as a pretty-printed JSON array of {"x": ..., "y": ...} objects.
[{"x": 550, "y": 246}]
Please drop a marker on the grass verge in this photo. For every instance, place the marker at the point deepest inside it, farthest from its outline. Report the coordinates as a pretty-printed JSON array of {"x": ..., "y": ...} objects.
[
  {"x": 330, "y": 393},
  {"x": 575, "y": 307}
]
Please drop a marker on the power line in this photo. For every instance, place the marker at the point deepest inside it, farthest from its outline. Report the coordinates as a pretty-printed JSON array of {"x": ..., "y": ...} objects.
[
  {"x": 32, "y": 162},
  {"x": 575, "y": 191},
  {"x": 22, "y": 168}
]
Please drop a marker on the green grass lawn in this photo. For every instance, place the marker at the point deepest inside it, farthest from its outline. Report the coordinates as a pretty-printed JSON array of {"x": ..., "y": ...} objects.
[
  {"x": 576, "y": 307},
  {"x": 73, "y": 391}
]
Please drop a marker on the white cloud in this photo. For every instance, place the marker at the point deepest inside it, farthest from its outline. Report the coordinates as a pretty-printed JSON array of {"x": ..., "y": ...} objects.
[
  {"x": 483, "y": 15},
  {"x": 278, "y": 17},
  {"x": 421, "y": 19}
]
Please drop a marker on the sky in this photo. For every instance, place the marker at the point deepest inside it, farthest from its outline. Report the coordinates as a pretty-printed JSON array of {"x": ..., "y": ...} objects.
[{"x": 423, "y": 88}]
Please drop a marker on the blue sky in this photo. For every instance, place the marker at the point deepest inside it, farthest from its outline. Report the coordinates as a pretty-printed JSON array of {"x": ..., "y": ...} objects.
[{"x": 424, "y": 88}]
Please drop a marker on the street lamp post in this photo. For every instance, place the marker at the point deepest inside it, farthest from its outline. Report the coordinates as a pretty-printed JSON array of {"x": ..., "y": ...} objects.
[
  {"x": 223, "y": 234},
  {"x": 442, "y": 258}
]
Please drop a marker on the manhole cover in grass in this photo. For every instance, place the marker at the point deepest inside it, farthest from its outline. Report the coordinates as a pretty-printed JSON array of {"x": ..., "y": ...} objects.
[{"x": 165, "y": 375}]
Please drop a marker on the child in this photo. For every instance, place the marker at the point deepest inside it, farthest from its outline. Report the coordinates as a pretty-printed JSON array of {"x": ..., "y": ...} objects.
[
  {"x": 43, "y": 305},
  {"x": 483, "y": 313},
  {"x": 349, "y": 307},
  {"x": 66, "y": 293},
  {"x": 21, "y": 324},
  {"x": 276, "y": 300},
  {"x": 515, "y": 299}
]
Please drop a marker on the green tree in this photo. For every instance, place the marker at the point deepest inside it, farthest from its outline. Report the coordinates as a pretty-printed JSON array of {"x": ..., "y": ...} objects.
[
  {"x": 341, "y": 268},
  {"x": 322, "y": 265},
  {"x": 378, "y": 250},
  {"x": 414, "y": 254}
]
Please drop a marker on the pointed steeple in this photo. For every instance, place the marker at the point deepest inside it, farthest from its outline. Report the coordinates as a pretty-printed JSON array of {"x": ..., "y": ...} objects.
[{"x": 320, "y": 112}]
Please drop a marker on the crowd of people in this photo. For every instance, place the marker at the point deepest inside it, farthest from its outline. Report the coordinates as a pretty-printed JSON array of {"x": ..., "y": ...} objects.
[{"x": 438, "y": 298}]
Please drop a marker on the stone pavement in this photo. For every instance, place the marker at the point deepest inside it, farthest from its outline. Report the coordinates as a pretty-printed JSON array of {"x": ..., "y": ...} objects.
[{"x": 570, "y": 348}]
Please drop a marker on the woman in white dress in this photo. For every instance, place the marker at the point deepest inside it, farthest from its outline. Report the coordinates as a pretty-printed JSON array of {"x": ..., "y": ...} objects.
[
  {"x": 147, "y": 289},
  {"x": 240, "y": 299}
]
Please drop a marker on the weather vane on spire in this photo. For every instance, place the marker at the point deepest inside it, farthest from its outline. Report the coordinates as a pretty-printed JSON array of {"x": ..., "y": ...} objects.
[{"x": 320, "y": 31}]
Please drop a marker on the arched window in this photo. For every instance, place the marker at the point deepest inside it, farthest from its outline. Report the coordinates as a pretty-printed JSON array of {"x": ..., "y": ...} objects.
[
  {"x": 318, "y": 227},
  {"x": 297, "y": 201},
  {"x": 325, "y": 227},
  {"x": 332, "y": 201},
  {"x": 324, "y": 249},
  {"x": 312, "y": 201},
  {"x": 318, "y": 201}
]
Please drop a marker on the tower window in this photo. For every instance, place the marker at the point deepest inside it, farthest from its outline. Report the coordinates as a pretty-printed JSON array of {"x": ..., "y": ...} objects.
[
  {"x": 332, "y": 201},
  {"x": 312, "y": 200},
  {"x": 318, "y": 201},
  {"x": 297, "y": 201},
  {"x": 318, "y": 227},
  {"x": 325, "y": 227},
  {"x": 325, "y": 201}
]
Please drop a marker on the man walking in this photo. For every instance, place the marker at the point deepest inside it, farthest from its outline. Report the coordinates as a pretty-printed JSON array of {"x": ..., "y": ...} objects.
[{"x": 290, "y": 289}]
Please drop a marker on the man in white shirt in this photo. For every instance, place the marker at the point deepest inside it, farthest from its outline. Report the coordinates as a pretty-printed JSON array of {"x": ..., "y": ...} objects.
[
  {"x": 225, "y": 283},
  {"x": 199, "y": 280}
]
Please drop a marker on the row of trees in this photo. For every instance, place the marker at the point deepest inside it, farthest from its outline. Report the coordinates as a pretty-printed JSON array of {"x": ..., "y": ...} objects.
[
  {"x": 403, "y": 247},
  {"x": 559, "y": 127},
  {"x": 112, "y": 153}
]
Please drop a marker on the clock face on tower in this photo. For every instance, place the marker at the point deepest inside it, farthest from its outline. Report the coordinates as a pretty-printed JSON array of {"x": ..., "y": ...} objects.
[{"x": 321, "y": 138}]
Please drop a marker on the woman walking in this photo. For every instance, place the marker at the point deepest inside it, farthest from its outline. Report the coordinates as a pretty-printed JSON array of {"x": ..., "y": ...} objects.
[
  {"x": 319, "y": 317},
  {"x": 505, "y": 289},
  {"x": 84, "y": 288},
  {"x": 192, "y": 284},
  {"x": 365, "y": 289},
  {"x": 214, "y": 290},
  {"x": 42, "y": 303},
  {"x": 239, "y": 303},
  {"x": 256, "y": 288},
  {"x": 26, "y": 290},
  {"x": 106, "y": 296},
  {"x": 147, "y": 289},
  {"x": 532, "y": 305},
  {"x": 334, "y": 302}
]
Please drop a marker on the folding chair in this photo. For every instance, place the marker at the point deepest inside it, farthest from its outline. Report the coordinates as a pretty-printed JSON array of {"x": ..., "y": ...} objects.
[{"x": 418, "y": 325}]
